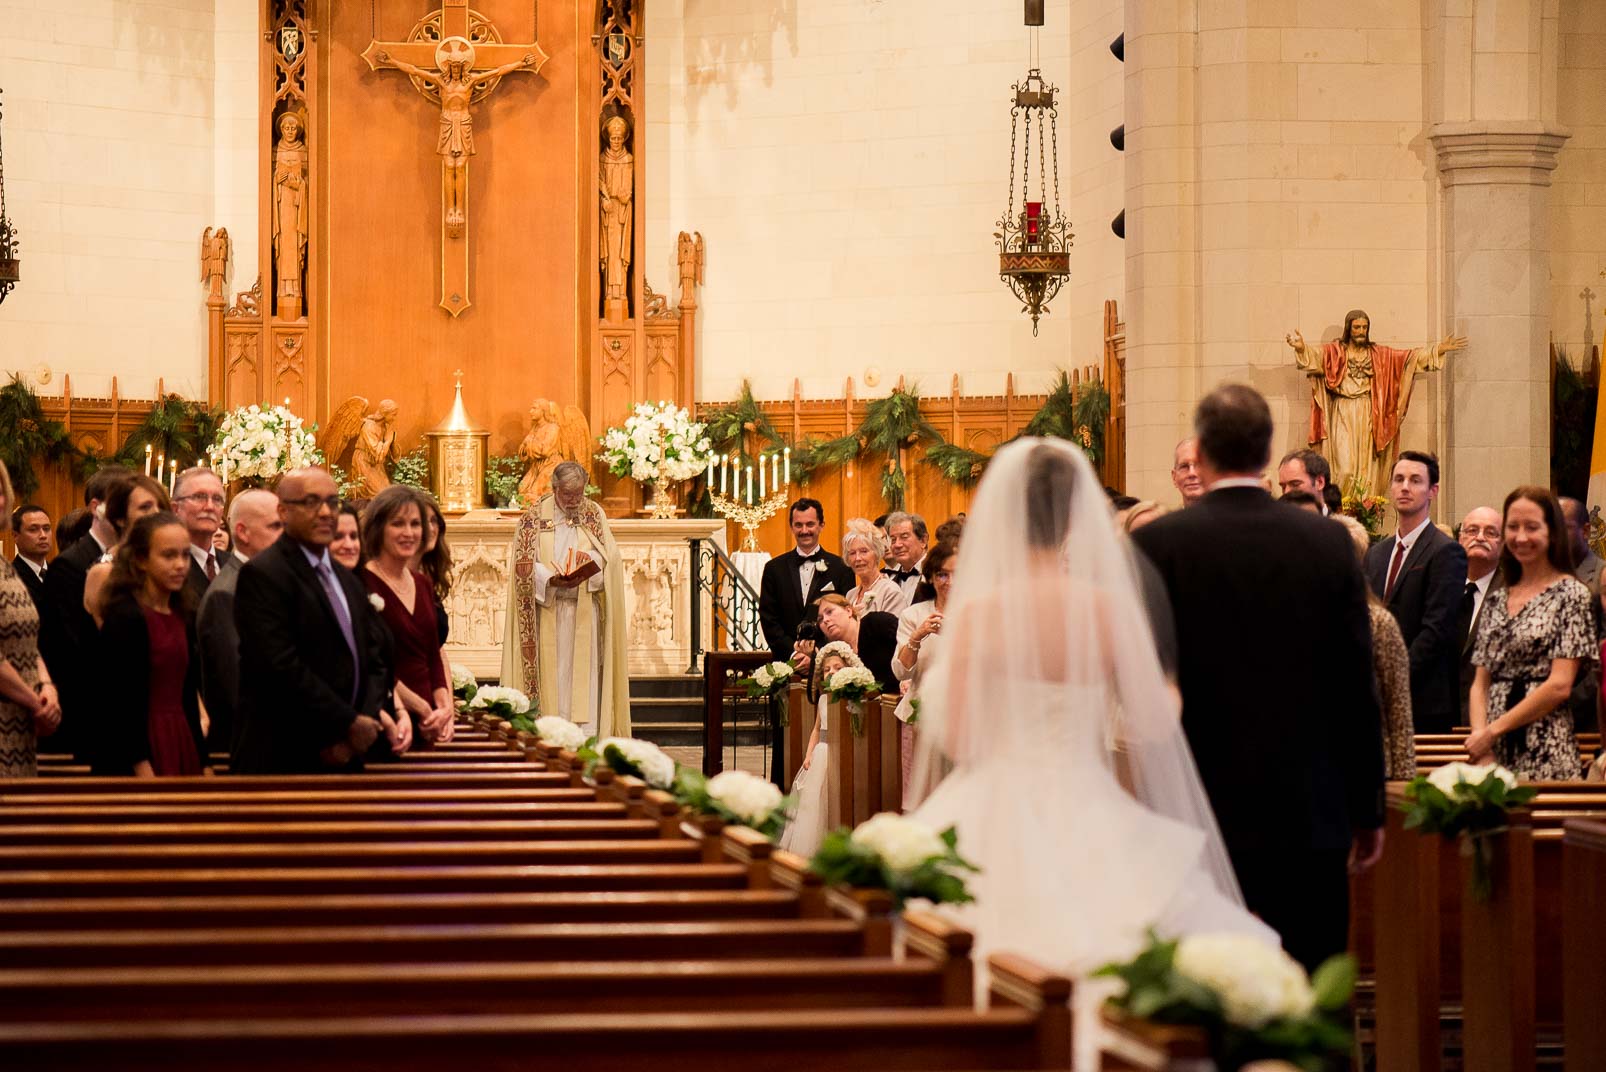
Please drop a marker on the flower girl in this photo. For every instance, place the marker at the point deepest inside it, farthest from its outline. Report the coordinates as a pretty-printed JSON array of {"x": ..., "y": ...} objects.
[{"x": 813, "y": 782}]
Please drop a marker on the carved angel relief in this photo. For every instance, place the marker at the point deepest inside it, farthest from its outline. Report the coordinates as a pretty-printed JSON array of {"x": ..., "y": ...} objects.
[
  {"x": 555, "y": 436},
  {"x": 369, "y": 437},
  {"x": 214, "y": 262}
]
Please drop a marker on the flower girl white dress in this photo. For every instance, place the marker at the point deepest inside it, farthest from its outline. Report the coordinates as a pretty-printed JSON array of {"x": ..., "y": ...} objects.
[{"x": 807, "y": 828}]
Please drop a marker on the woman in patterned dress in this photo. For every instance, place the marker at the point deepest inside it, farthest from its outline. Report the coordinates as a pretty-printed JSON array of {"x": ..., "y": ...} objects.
[
  {"x": 1392, "y": 663},
  {"x": 1533, "y": 640},
  {"x": 29, "y": 706}
]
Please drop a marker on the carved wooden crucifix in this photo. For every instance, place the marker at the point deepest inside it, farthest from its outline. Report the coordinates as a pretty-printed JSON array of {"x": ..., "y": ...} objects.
[{"x": 454, "y": 59}]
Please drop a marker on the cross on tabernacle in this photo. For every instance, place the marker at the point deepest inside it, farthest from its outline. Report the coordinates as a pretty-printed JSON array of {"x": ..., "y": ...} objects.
[{"x": 448, "y": 66}]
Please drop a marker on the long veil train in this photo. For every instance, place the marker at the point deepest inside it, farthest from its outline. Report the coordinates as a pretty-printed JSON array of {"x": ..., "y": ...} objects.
[{"x": 1068, "y": 773}]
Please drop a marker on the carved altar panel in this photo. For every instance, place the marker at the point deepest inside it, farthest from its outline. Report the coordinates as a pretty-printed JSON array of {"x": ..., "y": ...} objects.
[
  {"x": 662, "y": 372},
  {"x": 656, "y": 561}
]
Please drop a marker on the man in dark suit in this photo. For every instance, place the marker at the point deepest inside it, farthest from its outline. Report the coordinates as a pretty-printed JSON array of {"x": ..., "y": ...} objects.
[
  {"x": 198, "y": 500},
  {"x": 314, "y": 680},
  {"x": 1294, "y": 774},
  {"x": 67, "y": 634},
  {"x": 30, "y": 527},
  {"x": 1420, "y": 574},
  {"x": 1481, "y": 538},
  {"x": 788, "y": 589},
  {"x": 254, "y": 520}
]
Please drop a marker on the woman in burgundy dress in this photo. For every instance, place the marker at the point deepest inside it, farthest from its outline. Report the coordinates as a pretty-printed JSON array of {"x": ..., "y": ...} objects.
[
  {"x": 393, "y": 530},
  {"x": 150, "y": 722}
]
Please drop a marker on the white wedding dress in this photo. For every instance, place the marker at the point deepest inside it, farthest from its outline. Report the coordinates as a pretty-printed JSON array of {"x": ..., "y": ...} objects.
[
  {"x": 811, "y": 787},
  {"x": 1068, "y": 776}
]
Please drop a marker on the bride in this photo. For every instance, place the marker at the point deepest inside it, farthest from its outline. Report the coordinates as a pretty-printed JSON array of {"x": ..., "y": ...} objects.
[{"x": 1071, "y": 783}]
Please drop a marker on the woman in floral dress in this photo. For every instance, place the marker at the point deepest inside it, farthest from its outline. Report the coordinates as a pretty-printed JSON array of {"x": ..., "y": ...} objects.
[
  {"x": 29, "y": 707},
  {"x": 1536, "y": 636}
]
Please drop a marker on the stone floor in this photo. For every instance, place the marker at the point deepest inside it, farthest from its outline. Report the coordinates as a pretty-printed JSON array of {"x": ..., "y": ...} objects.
[{"x": 752, "y": 760}]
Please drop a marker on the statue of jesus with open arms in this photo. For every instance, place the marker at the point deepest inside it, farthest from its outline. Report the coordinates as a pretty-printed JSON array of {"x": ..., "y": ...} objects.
[{"x": 1359, "y": 395}]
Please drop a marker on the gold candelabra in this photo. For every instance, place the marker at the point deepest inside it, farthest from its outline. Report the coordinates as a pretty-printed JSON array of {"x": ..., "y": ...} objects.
[{"x": 750, "y": 515}]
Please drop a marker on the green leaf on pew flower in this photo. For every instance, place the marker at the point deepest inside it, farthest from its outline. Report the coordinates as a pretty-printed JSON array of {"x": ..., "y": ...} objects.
[{"x": 1334, "y": 982}]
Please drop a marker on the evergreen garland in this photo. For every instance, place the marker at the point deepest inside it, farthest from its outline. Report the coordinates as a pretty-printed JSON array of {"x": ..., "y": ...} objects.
[
  {"x": 175, "y": 427},
  {"x": 26, "y": 434},
  {"x": 726, "y": 428},
  {"x": 1077, "y": 416},
  {"x": 889, "y": 424}
]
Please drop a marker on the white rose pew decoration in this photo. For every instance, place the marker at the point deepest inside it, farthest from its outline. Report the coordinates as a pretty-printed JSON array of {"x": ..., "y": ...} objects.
[
  {"x": 627, "y": 755},
  {"x": 510, "y": 705},
  {"x": 464, "y": 685},
  {"x": 852, "y": 686},
  {"x": 560, "y": 733},
  {"x": 892, "y": 852},
  {"x": 740, "y": 798},
  {"x": 1470, "y": 804},
  {"x": 1252, "y": 1000}
]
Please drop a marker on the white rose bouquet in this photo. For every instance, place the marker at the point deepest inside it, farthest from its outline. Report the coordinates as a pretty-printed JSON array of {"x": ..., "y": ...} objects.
[
  {"x": 658, "y": 444},
  {"x": 900, "y": 855},
  {"x": 1460, "y": 800},
  {"x": 253, "y": 445},
  {"x": 464, "y": 684},
  {"x": 768, "y": 680},
  {"x": 1253, "y": 1000},
  {"x": 639, "y": 759},
  {"x": 560, "y": 732},
  {"x": 852, "y": 686},
  {"x": 505, "y": 703},
  {"x": 738, "y": 797}
]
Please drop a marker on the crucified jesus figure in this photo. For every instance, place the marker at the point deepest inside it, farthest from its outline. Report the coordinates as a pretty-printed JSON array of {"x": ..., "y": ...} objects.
[{"x": 455, "y": 81}]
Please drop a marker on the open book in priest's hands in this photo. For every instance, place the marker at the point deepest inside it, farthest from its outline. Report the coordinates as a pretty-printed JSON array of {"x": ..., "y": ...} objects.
[{"x": 574, "y": 569}]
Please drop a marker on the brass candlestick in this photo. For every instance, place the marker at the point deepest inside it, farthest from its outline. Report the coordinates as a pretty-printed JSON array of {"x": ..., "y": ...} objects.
[{"x": 750, "y": 515}]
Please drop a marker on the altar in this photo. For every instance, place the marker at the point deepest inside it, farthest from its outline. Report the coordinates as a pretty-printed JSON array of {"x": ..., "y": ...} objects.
[{"x": 657, "y": 567}]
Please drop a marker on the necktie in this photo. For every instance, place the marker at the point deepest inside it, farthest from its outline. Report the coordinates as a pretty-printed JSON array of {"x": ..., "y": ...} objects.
[
  {"x": 1394, "y": 568},
  {"x": 326, "y": 577},
  {"x": 1469, "y": 600},
  {"x": 211, "y": 566}
]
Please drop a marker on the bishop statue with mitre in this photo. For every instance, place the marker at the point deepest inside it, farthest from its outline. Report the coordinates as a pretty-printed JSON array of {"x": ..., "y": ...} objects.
[{"x": 566, "y": 640}]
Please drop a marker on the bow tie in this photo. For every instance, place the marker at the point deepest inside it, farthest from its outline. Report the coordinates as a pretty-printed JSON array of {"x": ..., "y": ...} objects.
[{"x": 897, "y": 574}]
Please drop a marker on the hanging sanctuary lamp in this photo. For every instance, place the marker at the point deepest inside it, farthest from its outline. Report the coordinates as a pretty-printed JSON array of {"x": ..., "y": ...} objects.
[{"x": 1034, "y": 244}]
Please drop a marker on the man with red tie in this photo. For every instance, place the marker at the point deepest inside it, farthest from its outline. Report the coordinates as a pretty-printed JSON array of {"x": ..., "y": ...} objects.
[{"x": 1419, "y": 573}]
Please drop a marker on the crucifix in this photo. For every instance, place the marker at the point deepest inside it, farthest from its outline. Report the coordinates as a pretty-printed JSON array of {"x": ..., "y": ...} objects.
[{"x": 455, "y": 58}]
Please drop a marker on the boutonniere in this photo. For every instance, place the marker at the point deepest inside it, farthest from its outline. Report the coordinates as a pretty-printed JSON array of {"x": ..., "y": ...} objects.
[{"x": 376, "y": 601}]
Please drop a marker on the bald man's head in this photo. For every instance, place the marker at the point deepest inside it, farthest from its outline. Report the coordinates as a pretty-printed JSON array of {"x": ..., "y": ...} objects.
[
  {"x": 1481, "y": 539},
  {"x": 254, "y": 521},
  {"x": 309, "y": 505}
]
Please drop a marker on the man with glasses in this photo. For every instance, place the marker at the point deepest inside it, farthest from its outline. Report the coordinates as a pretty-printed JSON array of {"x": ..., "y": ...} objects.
[
  {"x": 1481, "y": 538},
  {"x": 315, "y": 684},
  {"x": 198, "y": 501},
  {"x": 1185, "y": 472}
]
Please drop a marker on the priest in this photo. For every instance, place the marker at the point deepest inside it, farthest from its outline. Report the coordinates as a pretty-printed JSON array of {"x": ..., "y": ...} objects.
[{"x": 565, "y": 643}]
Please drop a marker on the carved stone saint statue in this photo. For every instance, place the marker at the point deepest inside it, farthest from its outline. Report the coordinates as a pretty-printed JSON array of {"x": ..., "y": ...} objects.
[
  {"x": 1359, "y": 394},
  {"x": 616, "y": 177},
  {"x": 455, "y": 81},
  {"x": 371, "y": 439},
  {"x": 555, "y": 436},
  {"x": 289, "y": 214}
]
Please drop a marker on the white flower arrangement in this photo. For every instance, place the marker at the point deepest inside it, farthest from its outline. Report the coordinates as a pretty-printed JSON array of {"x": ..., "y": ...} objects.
[
  {"x": 1447, "y": 777},
  {"x": 767, "y": 679},
  {"x": 464, "y": 684},
  {"x": 902, "y": 843},
  {"x": 376, "y": 601},
  {"x": 1256, "y": 982},
  {"x": 500, "y": 700},
  {"x": 255, "y": 444},
  {"x": 851, "y": 683},
  {"x": 560, "y": 732},
  {"x": 658, "y": 444},
  {"x": 640, "y": 758},
  {"x": 753, "y": 799}
]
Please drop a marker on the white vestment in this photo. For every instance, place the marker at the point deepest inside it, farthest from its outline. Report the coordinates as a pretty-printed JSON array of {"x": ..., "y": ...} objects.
[{"x": 566, "y": 601}]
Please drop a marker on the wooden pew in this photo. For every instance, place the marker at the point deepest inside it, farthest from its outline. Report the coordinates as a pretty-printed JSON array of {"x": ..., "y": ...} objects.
[
  {"x": 1583, "y": 967},
  {"x": 1494, "y": 968}
]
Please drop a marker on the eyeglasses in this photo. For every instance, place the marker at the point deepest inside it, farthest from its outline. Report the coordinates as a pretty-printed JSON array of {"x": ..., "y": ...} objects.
[
  {"x": 204, "y": 497},
  {"x": 943, "y": 575},
  {"x": 313, "y": 502}
]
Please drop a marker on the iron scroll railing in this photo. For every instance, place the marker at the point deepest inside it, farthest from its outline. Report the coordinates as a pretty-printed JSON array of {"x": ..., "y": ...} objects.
[{"x": 719, "y": 590}]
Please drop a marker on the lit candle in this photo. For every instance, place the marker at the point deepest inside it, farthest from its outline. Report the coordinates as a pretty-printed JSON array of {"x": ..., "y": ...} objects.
[
  {"x": 710, "y": 471},
  {"x": 775, "y": 472},
  {"x": 161, "y": 464},
  {"x": 147, "y": 459},
  {"x": 761, "y": 480},
  {"x": 749, "y": 485},
  {"x": 786, "y": 455},
  {"x": 172, "y": 476}
]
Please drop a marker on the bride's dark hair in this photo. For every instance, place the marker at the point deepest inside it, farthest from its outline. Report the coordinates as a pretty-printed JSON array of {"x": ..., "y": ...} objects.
[{"x": 1050, "y": 478}]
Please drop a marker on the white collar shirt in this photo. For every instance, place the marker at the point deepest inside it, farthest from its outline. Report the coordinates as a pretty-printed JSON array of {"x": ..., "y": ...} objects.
[
  {"x": 1482, "y": 589},
  {"x": 805, "y": 570},
  {"x": 1408, "y": 540}
]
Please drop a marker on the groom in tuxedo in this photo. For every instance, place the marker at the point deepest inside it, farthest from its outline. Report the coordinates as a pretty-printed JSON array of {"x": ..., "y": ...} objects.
[
  {"x": 789, "y": 587},
  {"x": 1294, "y": 773}
]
